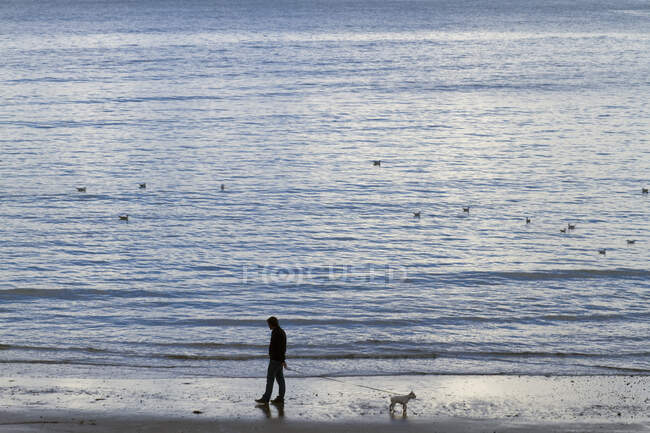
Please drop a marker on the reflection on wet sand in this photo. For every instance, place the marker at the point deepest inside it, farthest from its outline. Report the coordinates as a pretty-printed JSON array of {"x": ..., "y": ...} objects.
[{"x": 266, "y": 409}]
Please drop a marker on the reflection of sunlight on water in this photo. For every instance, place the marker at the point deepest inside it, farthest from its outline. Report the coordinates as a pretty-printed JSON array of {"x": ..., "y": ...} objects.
[{"x": 556, "y": 398}]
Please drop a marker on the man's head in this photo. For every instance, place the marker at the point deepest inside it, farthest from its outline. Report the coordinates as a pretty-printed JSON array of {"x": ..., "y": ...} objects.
[{"x": 273, "y": 322}]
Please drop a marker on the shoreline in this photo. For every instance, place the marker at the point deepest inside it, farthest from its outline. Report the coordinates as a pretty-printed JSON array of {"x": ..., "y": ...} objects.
[
  {"x": 223, "y": 370},
  {"x": 450, "y": 403}
]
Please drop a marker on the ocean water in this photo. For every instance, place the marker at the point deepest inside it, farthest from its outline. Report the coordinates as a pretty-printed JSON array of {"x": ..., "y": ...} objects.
[{"x": 515, "y": 109}]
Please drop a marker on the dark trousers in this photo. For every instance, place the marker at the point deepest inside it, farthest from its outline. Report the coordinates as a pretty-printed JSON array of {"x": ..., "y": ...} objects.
[{"x": 274, "y": 373}]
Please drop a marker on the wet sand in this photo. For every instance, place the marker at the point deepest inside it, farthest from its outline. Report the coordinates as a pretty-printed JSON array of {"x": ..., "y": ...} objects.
[
  {"x": 120, "y": 424},
  {"x": 443, "y": 404}
]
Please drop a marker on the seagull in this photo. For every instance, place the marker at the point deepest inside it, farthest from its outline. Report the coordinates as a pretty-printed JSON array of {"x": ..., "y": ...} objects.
[
  {"x": 527, "y": 220},
  {"x": 631, "y": 241},
  {"x": 223, "y": 187},
  {"x": 644, "y": 190},
  {"x": 124, "y": 217},
  {"x": 416, "y": 214},
  {"x": 466, "y": 209},
  {"x": 377, "y": 162},
  {"x": 81, "y": 188},
  {"x": 572, "y": 226},
  {"x": 602, "y": 251},
  {"x": 143, "y": 185}
]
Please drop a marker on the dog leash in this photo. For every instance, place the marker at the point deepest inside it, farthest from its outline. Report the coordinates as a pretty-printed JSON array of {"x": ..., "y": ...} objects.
[{"x": 348, "y": 383}]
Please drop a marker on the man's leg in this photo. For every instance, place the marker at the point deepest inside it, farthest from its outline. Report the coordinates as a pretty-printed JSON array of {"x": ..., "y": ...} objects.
[
  {"x": 280, "y": 378},
  {"x": 271, "y": 373}
]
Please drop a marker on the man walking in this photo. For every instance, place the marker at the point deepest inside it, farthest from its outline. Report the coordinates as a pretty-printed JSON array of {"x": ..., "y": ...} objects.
[{"x": 277, "y": 350}]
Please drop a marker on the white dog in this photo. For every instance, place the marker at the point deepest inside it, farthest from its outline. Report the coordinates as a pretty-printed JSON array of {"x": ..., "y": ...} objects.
[{"x": 401, "y": 399}]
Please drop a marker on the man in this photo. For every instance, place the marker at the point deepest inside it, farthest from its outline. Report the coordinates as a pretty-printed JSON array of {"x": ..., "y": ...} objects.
[{"x": 277, "y": 350}]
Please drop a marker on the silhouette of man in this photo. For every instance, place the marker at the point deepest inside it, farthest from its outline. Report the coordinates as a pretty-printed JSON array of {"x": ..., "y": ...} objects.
[{"x": 277, "y": 350}]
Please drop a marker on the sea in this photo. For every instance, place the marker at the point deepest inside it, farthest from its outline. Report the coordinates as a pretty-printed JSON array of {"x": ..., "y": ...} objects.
[{"x": 361, "y": 169}]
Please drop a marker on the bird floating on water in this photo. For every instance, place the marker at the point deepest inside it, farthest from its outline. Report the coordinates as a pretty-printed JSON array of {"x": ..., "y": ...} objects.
[
  {"x": 563, "y": 230},
  {"x": 571, "y": 226},
  {"x": 527, "y": 220},
  {"x": 466, "y": 209},
  {"x": 143, "y": 185},
  {"x": 644, "y": 190},
  {"x": 631, "y": 241},
  {"x": 81, "y": 188},
  {"x": 124, "y": 217},
  {"x": 416, "y": 214},
  {"x": 223, "y": 187},
  {"x": 377, "y": 162},
  {"x": 602, "y": 251}
]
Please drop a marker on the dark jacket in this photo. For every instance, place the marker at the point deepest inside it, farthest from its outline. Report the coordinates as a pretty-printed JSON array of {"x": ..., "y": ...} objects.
[{"x": 278, "y": 345}]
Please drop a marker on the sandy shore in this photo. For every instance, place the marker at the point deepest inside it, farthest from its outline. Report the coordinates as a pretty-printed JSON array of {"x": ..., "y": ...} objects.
[{"x": 444, "y": 404}]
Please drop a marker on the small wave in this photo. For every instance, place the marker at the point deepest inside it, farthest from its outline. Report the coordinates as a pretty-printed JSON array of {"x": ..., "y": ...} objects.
[
  {"x": 62, "y": 124},
  {"x": 288, "y": 322},
  {"x": 373, "y": 349},
  {"x": 88, "y": 363},
  {"x": 322, "y": 357},
  {"x": 209, "y": 268},
  {"x": 197, "y": 357},
  {"x": 472, "y": 87},
  {"x": 538, "y": 354},
  {"x": 53, "y": 348},
  {"x": 589, "y": 317},
  {"x": 168, "y": 99},
  {"x": 409, "y": 354},
  {"x": 47, "y": 79},
  {"x": 71, "y": 294},
  {"x": 182, "y": 357},
  {"x": 624, "y": 369},
  {"x": 487, "y": 278},
  {"x": 211, "y": 345}
]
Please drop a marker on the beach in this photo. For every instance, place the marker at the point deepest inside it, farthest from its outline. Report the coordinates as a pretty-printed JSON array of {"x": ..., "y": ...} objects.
[{"x": 453, "y": 403}]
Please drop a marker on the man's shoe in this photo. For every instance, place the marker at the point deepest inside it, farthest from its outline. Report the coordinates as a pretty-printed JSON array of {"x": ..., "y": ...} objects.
[
  {"x": 278, "y": 400},
  {"x": 262, "y": 401}
]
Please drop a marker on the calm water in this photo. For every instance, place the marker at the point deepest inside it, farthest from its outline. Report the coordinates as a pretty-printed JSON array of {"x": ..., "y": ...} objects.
[{"x": 510, "y": 108}]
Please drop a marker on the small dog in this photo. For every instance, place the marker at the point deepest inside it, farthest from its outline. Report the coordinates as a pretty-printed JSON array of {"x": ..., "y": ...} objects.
[{"x": 401, "y": 399}]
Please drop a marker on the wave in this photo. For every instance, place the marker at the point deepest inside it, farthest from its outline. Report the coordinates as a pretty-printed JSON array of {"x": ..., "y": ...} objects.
[
  {"x": 455, "y": 320},
  {"x": 72, "y": 294},
  {"x": 212, "y": 345},
  {"x": 86, "y": 363},
  {"x": 62, "y": 124},
  {"x": 47, "y": 79},
  {"x": 58, "y": 349},
  {"x": 539, "y": 354},
  {"x": 405, "y": 356},
  {"x": 323, "y": 357},
  {"x": 170, "y": 99},
  {"x": 578, "y": 369},
  {"x": 460, "y": 278},
  {"x": 373, "y": 349},
  {"x": 431, "y": 357},
  {"x": 366, "y": 322},
  {"x": 585, "y": 370},
  {"x": 498, "y": 277},
  {"x": 624, "y": 369}
]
